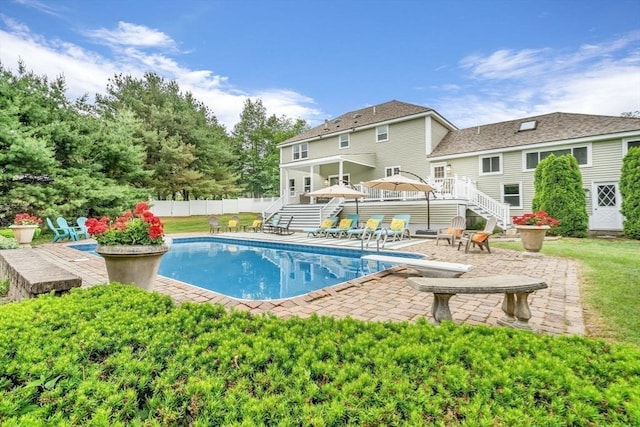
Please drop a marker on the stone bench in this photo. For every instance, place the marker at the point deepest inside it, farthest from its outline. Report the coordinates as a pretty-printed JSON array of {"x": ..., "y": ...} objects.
[
  {"x": 425, "y": 267},
  {"x": 516, "y": 291},
  {"x": 30, "y": 275}
]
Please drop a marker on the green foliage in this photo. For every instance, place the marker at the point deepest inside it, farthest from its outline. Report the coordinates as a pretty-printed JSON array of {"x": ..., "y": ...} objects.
[
  {"x": 559, "y": 192},
  {"x": 255, "y": 142},
  {"x": 630, "y": 191},
  {"x": 115, "y": 355},
  {"x": 8, "y": 242},
  {"x": 186, "y": 149},
  {"x": 4, "y": 284}
]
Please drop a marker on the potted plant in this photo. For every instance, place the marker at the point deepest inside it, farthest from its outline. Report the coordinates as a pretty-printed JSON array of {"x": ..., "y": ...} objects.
[
  {"x": 24, "y": 226},
  {"x": 131, "y": 245},
  {"x": 532, "y": 228}
]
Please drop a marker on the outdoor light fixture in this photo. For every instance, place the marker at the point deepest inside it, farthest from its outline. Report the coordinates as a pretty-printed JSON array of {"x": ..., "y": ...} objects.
[
  {"x": 448, "y": 167},
  {"x": 326, "y": 182}
]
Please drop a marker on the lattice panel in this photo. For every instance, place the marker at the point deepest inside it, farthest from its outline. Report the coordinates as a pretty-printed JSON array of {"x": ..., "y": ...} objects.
[{"x": 607, "y": 195}]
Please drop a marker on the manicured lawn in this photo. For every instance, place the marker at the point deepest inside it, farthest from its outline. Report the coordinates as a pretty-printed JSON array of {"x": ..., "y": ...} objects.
[
  {"x": 192, "y": 224},
  {"x": 610, "y": 281}
]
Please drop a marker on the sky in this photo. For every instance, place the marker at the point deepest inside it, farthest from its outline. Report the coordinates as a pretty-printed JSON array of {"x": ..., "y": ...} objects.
[{"x": 474, "y": 61}]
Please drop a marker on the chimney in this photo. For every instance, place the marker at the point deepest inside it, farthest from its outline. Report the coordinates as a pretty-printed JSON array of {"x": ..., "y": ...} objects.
[{"x": 326, "y": 124}]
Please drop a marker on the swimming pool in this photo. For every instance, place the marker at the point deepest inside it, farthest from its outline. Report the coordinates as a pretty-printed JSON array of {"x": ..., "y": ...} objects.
[{"x": 257, "y": 270}]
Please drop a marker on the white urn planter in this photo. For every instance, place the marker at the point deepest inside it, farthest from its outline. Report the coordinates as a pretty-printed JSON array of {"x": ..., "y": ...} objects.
[
  {"x": 133, "y": 264},
  {"x": 532, "y": 236},
  {"x": 23, "y": 233}
]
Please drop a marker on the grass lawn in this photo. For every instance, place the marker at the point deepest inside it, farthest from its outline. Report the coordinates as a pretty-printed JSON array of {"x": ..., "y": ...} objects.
[{"x": 610, "y": 277}]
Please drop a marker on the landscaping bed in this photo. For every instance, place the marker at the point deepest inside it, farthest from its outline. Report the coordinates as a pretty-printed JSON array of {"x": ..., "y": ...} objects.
[{"x": 116, "y": 355}]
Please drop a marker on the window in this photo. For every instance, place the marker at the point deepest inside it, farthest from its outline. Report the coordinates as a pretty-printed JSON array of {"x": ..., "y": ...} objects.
[
  {"x": 512, "y": 195},
  {"x": 392, "y": 170},
  {"x": 629, "y": 143},
  {"x": 490, "y": 165},
  {"x": 382, "y": 133},
  {"x": 343, "y": 141},
  {"x": 300, "y": 151},
  {"x": 292, "y": 187},
  {"x": 307, "y": 184},
  {"x": 580, "y": 153}
]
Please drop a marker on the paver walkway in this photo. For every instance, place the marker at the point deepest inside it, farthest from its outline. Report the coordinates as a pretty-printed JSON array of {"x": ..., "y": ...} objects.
[{"x": 386, "y": 296}]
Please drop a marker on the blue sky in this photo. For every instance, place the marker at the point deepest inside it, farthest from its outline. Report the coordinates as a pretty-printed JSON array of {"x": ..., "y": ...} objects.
[{"x": 474, "y": 61}]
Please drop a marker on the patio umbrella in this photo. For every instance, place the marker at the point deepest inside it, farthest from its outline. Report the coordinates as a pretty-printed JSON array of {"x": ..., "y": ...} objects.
[
  {"x": 402, "y": 183},
  {"x": 338, "y": 191}
]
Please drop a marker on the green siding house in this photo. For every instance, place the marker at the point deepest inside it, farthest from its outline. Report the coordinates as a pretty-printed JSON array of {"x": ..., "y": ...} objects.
[{"x": 483, "y": 170}]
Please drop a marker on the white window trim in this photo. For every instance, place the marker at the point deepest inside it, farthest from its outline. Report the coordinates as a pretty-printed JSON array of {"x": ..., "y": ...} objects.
[
  {"x": 392, "y": 168},
  {"x": 340, "y": 147},
  {"x": 625, "y": 144},
  {"x": 299, "y": 147},
  {"x": 345, "y": 177},
  {"x": 378, "y": 134},
  {"x": 559, "y": 147},
  {"x": 306, "y": 188},
  {"x": 501, "y": 165},
  {"x": 292, "y": 188},
  {"x": 519, "y": 183}
]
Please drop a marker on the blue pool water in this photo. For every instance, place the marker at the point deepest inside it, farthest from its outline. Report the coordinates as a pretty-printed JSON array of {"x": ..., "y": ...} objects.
[{"x": 260, "y": 270}]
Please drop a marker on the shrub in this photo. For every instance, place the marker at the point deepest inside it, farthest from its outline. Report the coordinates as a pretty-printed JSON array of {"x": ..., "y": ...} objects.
[
  {"x": 630, "y": 191},
  {"x": 559, "y": 193},
  {"x": 8, "y": 243},
  {"x": 116, "y": 355}
]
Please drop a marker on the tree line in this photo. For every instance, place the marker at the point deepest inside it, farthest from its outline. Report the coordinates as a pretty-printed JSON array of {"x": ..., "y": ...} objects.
[{"x": 143, "y": 138}]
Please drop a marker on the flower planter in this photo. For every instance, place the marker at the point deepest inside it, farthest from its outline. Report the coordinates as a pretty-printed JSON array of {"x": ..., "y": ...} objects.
[
  {"x": 23, "y": 233},
  {"x": 133, "y": 264},
  {"x": 532, "y": 236}
]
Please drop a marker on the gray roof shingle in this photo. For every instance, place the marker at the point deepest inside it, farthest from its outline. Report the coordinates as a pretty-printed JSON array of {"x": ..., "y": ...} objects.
[
  {"x": 363, "y": 117},
  {"x": 549, "y": 127}
]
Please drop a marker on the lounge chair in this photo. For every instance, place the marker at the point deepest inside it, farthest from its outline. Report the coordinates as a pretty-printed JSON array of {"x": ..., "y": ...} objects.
[
  {"x": 479, "y": 238},
  {"x": 234, "y": 223},
  {"x": 75, "y": 232},
  {"x": 324, "y": 225},
  {"x": 214, "y": 225},
  {"x": 398, "y": 228},
  {"x": 372, "y": 224},
  {"x": 256, "y": 226},
  {"x": 58, "y": 232},
  {"x": 283, "y": 226},
  {"x": 344, "y": 225},
  {"x": 453, "y": 232},
  {"x": 271, "y": 224}
]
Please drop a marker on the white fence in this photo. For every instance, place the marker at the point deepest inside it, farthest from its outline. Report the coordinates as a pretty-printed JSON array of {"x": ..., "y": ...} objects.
[{"x": 209, "y": 207}]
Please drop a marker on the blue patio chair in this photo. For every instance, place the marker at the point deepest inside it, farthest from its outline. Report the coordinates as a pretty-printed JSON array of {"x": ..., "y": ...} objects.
[
  {"x": 270, "y": 225},
  {"x": 58, "y": 233},
  {"x": 324, "y": 225},
  {"x": 345, "y": 224},
  {"x": 373, "y": 223},
  {"x": 398, "y": 228},
  {"x": 74, "y": 232},
  {"x": 81, "y": 221}
]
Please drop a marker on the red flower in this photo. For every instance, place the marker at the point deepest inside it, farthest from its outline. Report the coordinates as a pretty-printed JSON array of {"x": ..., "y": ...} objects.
[
  {"x": 140, "y": 227},
  {"x": 538, "y": 218},
  {"x": 26, "y": 219}
]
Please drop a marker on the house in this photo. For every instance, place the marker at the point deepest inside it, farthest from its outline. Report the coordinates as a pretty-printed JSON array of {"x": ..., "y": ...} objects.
[{"x": 479, "y": 171}]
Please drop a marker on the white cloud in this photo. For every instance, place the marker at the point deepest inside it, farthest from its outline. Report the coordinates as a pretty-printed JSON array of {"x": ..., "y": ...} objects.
[
  {"x": 505, "y": 85},
  {"x": 87, "y": 72},
  {"x": 127, "y": 34}
]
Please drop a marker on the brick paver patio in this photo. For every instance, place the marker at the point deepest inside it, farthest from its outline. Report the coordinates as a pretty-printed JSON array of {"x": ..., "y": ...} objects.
[{"x": 386, "y": 296}]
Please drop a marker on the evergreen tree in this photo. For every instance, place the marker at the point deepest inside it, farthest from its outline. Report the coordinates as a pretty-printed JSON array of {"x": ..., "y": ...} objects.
[
  {"x": 561, "y": 195},
  {"x": 175, "y": 124},
  {"x": 630, "y": 191}
]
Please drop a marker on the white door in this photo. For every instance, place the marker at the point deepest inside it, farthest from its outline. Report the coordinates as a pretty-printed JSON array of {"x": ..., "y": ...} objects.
[{"x": 606, "y": 206}]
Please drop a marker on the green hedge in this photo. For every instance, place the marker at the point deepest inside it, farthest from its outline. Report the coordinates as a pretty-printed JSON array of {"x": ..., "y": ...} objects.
[{"x": 115, "y": 355}]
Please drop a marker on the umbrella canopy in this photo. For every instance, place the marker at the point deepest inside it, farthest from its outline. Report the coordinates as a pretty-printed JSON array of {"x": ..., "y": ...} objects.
[
  {"x": 401, "y": 183},
  {"x": 338, "y": 191}
]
